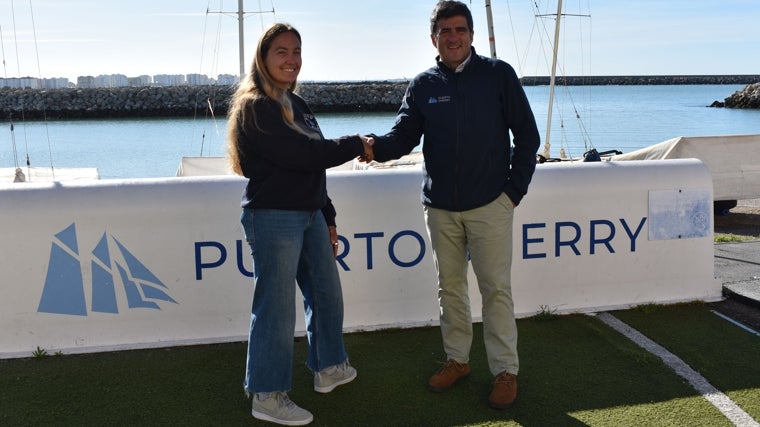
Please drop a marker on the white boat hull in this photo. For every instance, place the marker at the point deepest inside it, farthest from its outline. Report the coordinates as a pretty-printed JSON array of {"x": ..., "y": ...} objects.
[{"x": 112, "y": 264}]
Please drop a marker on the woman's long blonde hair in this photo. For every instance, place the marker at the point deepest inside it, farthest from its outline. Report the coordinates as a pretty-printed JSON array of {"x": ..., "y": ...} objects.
[{"x": 258, "y": 83}]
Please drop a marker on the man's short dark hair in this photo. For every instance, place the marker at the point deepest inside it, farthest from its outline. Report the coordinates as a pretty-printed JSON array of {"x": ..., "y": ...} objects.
[{"x": 448, "y": 9}]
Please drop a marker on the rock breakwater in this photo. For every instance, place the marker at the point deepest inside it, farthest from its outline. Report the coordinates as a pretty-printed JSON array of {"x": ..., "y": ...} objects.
[
  {"x": 749, "y": 97},
  {"x": 322, "y": 97},
  {"x": 644, "y": 80},
  {"x": 185, "y": 100}
]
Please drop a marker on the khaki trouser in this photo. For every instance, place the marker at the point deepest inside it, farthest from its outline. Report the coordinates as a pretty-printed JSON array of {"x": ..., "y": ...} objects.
[{"x": 485, "y": 232}]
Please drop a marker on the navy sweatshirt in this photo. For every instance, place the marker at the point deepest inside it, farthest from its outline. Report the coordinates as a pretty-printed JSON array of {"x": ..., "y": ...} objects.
[
  {"x": 286, "y": 169},
  {"x": 465, "y": 119}
]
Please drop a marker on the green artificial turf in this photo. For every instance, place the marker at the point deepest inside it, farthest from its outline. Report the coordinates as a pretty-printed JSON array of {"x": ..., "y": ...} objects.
[
  {"x": 726, "y": 355},
  {"x": 575, "y": 371}
]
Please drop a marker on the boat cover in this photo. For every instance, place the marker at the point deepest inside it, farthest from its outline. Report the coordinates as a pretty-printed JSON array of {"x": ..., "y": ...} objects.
[
  {"x": 733, "y": 160},
  {"x": 38, "y": 174}
]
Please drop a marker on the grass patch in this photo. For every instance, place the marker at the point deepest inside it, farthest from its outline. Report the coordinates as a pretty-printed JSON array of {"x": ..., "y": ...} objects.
[
  {"x": 39, "y": 353},
  {"x": 727, "y": 238},
  {"x": 545, "y": 314},
  {"x": 575, "y": 371}
]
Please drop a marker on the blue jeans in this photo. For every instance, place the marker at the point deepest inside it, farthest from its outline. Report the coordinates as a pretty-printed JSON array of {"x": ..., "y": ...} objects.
[{"x": 289, "y": 247}]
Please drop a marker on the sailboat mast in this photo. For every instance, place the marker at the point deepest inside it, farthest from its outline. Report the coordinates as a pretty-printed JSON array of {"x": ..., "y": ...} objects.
[
  {"x": 241, "y": 48},
  {"x": 491, "y": 38},
  {"x": 547, "y": 144}
]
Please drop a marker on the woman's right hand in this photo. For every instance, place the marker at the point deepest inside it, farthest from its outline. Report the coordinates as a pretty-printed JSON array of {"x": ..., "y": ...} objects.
[{"x": 369, "y": 152}]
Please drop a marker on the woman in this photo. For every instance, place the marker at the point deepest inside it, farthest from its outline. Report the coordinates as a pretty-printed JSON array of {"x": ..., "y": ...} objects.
[{"x": 289, "y": 223}]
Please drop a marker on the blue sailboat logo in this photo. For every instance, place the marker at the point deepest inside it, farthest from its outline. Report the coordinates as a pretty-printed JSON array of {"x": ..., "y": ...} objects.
[{"x": 64, "y": 288}]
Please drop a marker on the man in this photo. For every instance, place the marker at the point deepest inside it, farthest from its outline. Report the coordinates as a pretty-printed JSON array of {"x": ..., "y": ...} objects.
[{"x": 465, "y": 108}]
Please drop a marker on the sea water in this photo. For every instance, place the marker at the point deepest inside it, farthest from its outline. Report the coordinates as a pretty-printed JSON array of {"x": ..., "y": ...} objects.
[{"x": 624, "y": 118}]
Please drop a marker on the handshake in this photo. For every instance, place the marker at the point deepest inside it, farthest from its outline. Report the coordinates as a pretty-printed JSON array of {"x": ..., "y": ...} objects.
[{"x": 369, "y": 152}]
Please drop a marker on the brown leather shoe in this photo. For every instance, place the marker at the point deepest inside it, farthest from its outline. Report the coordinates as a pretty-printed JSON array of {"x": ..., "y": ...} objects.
[
  {"x": 504, "y": 391},
  {"x": 451, "y": 372}
]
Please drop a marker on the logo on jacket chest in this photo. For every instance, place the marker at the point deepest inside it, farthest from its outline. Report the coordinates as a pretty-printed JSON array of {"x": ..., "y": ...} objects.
[
  {"x": 437, "y": 99},
  {"x": 311, "y": 122}
]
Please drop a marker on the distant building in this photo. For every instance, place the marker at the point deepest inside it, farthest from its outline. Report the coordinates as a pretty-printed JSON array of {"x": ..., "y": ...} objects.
[
  {"x": 120, "y": 80},
  {"x": 85, "y": 82},
  {"x": 20, "y": 82},
  {"x": 227, "y": 79},
  {"x": 199, "y": 80},
  {"x": 54, "y": 83},
  {"x": 111, "y": 80},
  {"x": 139, "y": 81},
  {"x": 169, "y": 79}
]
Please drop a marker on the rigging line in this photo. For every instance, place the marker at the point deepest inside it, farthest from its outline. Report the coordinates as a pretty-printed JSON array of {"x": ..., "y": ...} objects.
[
  {"x": 212, "y": 89},
  {"x": 44, "y": 110},
  {"x": 200, "y": 69},
  {"x": 534, "y": 34},
  {"x": 241, "y": 16},
  {"x": 261, "y": 16},
  {"x": 537, "y": 17},
  {"x": 214, "y": 68},
  {"x": 584, "y": 47},
  {"x": 583, "y": 131},
  {"x": 217, "y": 43},
  {"x": 2, "y": 45},
  {"x": 18, "y": 71},
  {"x": 587, "y": 143},
  {"x": 568, "y": 93},
  {"x": 514, "y": 40},
  {"x": 10, "y": 115},
  {"x": 13, "y": 144},
  {"x": 541, "y": 17},
  {"x": 581, "y": 38},
  {"x": 213, "y": 117}
]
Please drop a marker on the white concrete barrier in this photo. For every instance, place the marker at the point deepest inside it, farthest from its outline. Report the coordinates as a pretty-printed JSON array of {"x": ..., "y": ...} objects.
[{"x": 113, "y": 264}]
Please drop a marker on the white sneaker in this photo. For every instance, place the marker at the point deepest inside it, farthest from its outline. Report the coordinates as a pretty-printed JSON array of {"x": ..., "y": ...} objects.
[
  {"x": 278, "y": 408},
  {"x": 327, "y": 379}
]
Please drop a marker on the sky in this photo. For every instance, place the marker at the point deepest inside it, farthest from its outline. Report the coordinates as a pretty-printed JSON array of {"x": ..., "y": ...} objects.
[{"x": 349, "y": 40}]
